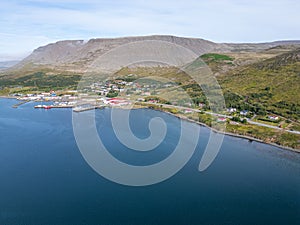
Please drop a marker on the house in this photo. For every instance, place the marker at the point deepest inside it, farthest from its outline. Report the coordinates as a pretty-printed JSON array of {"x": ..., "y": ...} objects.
[
  {"x": 46, "y": 94},
  {"x": 116, "y": 102},
  {"x": 273, "y": 117},
  {"x": 153, "y": 101},
  {"x": 147, "y": 94},
  {"x": 221, "y": 119},
  {"x": 72, "y": 91},
  {"x": 244, "y": 113},
  {"x": 231, "y": 110},
  {"x": 188, "y": 111}
]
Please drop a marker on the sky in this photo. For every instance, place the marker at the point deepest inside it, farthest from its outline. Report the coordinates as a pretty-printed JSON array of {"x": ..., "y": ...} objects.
[{"x": 28, "y": 24}]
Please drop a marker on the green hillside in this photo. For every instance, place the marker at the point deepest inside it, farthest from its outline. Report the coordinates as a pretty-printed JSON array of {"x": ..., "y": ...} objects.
[{"x": 272, "y": 85}]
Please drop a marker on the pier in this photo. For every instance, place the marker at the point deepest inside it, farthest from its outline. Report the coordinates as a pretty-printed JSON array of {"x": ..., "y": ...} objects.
[
  {"x": 86, "y": 108},
  {"x": 20, "y": 103},
  {"x": 52, "y": 106},
  {"x": 82, "y": 109}
]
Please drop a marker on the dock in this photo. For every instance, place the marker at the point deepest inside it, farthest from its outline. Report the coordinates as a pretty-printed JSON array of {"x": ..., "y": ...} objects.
[
  {"x": 62, "y": 106},
  {"x": 52, "y": 106},
  {"x": 87, "y": 108},
  {"x": 20, "y": 103},
  {"x": 82, "y": 109}
]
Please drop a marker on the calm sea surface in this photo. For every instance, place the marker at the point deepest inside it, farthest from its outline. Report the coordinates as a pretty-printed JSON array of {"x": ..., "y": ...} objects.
[{"x": 45, "y": 180}]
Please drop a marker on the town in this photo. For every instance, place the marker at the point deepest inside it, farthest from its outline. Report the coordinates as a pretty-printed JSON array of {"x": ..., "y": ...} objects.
[{"x": 146, "y": 93}]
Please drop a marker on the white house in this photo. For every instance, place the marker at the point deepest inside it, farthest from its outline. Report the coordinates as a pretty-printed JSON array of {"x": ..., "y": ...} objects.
[
  {"x": 244, "y": 113},
  {"x": 273, "y": 117},
  {"x": 231, "y": 110}
]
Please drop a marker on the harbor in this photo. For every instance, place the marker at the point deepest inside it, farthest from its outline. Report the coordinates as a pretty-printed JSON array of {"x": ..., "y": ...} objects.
[{"x": 75, "y": 107}]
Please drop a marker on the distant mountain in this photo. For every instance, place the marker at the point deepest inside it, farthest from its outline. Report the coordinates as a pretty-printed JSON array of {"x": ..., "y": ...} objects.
[
  {"x": 77, "y": 55},
  {"x": 280, "y": 60},
  {"x": 254, "y": 47},
  {"x": 7, "y": 64}
]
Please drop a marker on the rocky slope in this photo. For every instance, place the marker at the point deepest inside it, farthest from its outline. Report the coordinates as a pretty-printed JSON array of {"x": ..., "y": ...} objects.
[{"x": 77, "y": 55}]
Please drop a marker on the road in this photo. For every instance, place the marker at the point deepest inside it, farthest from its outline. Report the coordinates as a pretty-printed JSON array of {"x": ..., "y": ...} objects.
[
  {"x": 273, "y": 127},
  {"x": 226, "y": 116}
]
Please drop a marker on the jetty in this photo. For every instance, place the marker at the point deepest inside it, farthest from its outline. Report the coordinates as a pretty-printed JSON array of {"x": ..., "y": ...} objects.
[
  {"x": 20, "y": 103},
  {"x": 82, "y": 109},
  {"x": 52, "y": 106},
  {"x": 87, "y": 108},
  {"x": 62, "y": 106}
]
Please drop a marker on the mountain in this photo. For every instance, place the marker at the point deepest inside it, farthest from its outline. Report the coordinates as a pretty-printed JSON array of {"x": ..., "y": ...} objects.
[
  {"x": 8, "y": 64},
  {"x": 281, "y": 60},
  {"x": 77, "y": 55},
  {"x": 263, "y": 76}
]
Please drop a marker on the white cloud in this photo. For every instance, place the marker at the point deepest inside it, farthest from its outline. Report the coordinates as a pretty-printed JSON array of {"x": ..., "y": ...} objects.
[
  {"x": 16, "y": 47},
  {"x": 28, "y": 24}
]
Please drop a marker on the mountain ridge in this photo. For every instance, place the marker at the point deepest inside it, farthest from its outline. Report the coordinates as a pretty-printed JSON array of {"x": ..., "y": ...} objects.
[{"x": 77, "y": 55}]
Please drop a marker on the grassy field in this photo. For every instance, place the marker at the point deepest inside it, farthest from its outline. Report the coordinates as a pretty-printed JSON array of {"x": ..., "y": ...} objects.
[
  {"x": 265, "y": 134},
  {"x": 216, "y": 57},
  {"x": 38, "y": 81}
]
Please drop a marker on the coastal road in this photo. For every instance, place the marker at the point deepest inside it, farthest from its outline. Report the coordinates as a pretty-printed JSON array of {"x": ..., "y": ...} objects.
[
  {"x": 273, "y": 127},
  {"x": 226, "y": 116}
]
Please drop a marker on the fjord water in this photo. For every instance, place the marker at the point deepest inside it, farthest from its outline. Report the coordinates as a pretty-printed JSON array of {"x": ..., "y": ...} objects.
[{"x": 45, "y": 180}]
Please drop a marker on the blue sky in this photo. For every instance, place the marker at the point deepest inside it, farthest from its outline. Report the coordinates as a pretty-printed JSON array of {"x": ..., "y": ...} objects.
[{"x": 28, "y": 24}]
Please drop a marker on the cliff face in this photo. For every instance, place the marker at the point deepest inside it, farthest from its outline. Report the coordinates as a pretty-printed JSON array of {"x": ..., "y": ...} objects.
[
  {"x": 77, "y": 55},
  {"x": 78, "y": 52}
]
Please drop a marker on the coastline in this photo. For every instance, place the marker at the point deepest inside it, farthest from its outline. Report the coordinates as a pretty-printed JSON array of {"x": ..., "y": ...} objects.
[
  {"x": 212, "y": 129},
  {"x": 234, "y": 135},
  {"x": 9, "y": 97}
]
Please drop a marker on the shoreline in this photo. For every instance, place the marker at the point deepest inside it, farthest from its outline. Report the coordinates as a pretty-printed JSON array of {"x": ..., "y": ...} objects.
[
  {"x": 249, "y": 138},
  {"x": 233, "y": 134},
  {"x": 8, "y": 97}
]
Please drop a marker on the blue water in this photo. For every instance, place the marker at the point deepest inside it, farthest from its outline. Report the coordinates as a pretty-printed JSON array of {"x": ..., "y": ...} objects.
[{"x": 45, "y": 180}]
